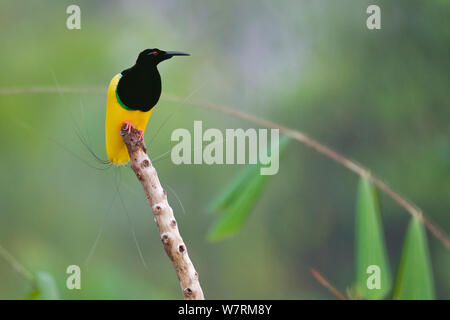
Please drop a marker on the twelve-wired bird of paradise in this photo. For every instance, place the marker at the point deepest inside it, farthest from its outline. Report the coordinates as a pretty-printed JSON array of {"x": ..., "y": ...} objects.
[{"x": 132, "y": 94}]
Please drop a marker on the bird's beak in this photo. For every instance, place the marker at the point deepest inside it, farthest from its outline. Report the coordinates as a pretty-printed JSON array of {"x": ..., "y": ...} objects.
[{"x": 176, "y": 53}]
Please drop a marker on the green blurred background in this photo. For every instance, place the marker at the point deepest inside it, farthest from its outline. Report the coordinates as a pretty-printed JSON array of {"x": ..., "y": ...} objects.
[{"x": 379, "y": 97}]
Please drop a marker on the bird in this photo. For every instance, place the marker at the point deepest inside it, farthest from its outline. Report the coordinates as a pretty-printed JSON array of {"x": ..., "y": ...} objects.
[{"x": 132, "y": 95}]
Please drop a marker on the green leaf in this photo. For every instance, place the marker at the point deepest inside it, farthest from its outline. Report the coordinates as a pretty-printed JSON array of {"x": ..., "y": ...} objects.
[
  {"x": 234, "y": 189},
  {"x": 239, "y": 198},
  {"x": 45, "y": 287},
  {"x": 232, "y": 220},
  {"x": 373, "y": 275},
  {"x": 414, "y": 276}
]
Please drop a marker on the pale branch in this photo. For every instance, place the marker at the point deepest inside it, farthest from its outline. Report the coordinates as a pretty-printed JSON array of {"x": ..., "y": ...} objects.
[
  {"x": 164, "y": 218},
  {"x": 301, "y": 137}
]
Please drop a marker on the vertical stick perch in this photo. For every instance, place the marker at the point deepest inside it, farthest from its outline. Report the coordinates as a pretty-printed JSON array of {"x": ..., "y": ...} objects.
[{"x": 164, "y": 218}]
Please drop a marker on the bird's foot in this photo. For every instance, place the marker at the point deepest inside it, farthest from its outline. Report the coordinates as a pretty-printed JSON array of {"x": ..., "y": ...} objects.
[
  {"x": 141, "y": 134},
  {"x": 128, "y": 126}
]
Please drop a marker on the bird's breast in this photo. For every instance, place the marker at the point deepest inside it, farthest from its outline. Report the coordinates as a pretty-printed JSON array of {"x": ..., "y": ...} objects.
[{"x": 139, "y": 91}]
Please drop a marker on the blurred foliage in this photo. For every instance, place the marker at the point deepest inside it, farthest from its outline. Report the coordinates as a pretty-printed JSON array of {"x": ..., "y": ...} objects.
[
  {"x": 380, "y": 97},
  {"x": 45, "y": 288}
]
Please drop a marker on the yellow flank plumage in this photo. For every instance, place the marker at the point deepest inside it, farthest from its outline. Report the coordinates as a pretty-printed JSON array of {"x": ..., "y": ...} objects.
[{"x": 116, "y": 115}]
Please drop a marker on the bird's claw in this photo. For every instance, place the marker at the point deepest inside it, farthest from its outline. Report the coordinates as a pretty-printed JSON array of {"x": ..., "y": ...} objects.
[
  {"x": 128, "y": 126},
  {"x": 141, "y": 134}
]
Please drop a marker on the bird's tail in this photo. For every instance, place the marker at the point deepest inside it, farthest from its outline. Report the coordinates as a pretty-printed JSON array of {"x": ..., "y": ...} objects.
[{"x": 101, "y": 164}]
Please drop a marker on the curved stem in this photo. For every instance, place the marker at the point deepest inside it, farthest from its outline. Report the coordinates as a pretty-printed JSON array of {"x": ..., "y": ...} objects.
[
  {"x": 299, "y": 136},
  {"x": 411, "y": 208}
]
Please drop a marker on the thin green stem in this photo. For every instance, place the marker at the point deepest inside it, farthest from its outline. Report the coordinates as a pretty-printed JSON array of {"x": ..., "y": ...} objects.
[{"x": 19, "y": 268}]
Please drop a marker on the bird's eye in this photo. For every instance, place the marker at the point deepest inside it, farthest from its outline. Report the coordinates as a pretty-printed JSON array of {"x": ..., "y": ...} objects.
[{"x": 155, "y": 53}]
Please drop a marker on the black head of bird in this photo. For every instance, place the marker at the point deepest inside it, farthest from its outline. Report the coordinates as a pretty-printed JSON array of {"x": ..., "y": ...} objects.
[
  {"x": 151, "y": 57},
  {"x": 140, "y": 86}
]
